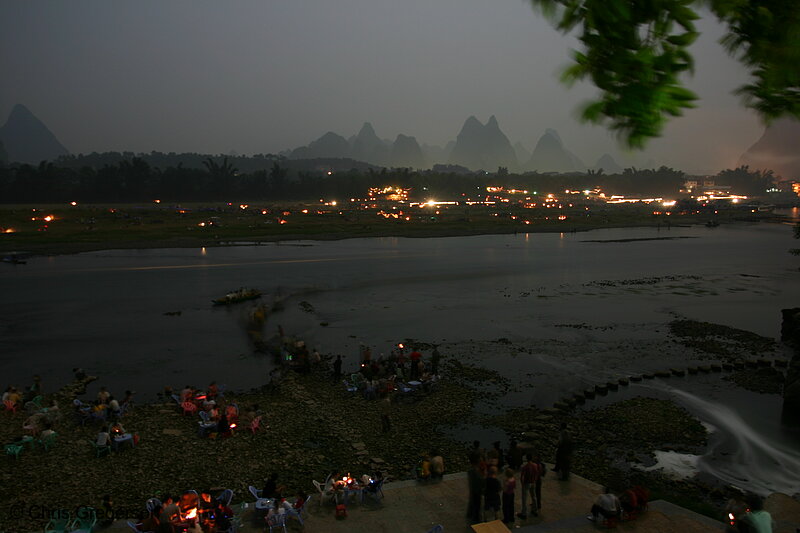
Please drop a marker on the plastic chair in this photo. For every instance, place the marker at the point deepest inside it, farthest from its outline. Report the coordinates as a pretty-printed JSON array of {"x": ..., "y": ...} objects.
[
  {"x": 100, "y": 449},
  {"x": 255, "y": 424},
  {"x": 375, "y": 490},
  {"x": 188, "y": 408},
  {"x": 13, "y": 449},
  {"x": 151, "y": 504},
  {"x": 298, "y": 513},
  {"x": 324, "y": 492},
  {"x": 438, "y": 528},
  {"x": 85, "y": 521},
  {"x": 276, "y": 520},
  {"x": 34, "y": 405},
  {"x": 58, "y": 525},
  {"x": 255, "y": 492},
  {"x": 49, "y": 441},
  {"x": 349, "y": 387},
  {"x": 225, "y": 497},
  {"x": 10, "y": 406}
]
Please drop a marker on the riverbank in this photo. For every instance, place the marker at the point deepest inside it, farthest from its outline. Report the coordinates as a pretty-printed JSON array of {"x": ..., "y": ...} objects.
[
  {"x": 55, "y": 230},
  {"x": 312, "y": 426}
]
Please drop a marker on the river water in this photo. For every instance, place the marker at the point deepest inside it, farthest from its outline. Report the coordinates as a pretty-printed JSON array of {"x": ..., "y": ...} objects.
[{"x": 577, "y": 308}]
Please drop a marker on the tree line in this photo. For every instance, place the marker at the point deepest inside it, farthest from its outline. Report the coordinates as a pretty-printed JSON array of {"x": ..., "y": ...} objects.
[{"x": 134, "y": 178}]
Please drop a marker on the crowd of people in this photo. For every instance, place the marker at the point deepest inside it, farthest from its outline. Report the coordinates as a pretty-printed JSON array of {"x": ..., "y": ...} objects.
[{"x": 492, "y": 480}]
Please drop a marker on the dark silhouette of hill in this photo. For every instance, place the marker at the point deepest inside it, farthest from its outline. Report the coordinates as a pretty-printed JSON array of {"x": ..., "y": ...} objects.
[
  {"x": 607, "y": 164},
  {"x": 3, "y": 154},
  {"x": 329, "y": 145},
  {"x": 367, "y": 146},
  {"x": 778, "y": 150},
  {"x": 550, "y": 155},
  {"x": 407, "y": 153},
  {"x": 27, "y": 139},
  {"x": 483, "y": 147},
  {"x": 521, "y": 152}
]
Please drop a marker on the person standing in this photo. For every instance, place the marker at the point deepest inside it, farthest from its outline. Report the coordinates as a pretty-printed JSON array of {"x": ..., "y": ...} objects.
[
  {"x": 563, "y": 453},
  {"x": 491, "y": 496},
  {"x": 475, "y": 481},
  {"x": 435, "y": 356},
  {"x": 528, "y": 476},
  {"x": 509, "y": 489},
  {"x": 542, "y": 472},
  {"x": 337, "y": 368},
  {"x": 385, "y": 407}
]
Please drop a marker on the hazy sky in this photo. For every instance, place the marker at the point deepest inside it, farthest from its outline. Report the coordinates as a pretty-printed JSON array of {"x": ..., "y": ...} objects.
[{"x": 265, "y": 75}]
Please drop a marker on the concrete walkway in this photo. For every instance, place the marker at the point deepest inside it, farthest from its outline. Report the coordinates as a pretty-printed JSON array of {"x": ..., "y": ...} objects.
[{"x": 412, "y": 507}]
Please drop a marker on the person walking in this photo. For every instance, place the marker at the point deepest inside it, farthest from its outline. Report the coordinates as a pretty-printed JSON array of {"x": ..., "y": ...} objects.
[{"x": 528, "y": 476}]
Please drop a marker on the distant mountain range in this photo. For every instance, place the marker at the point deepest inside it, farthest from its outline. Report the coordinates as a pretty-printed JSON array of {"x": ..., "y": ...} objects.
[
  {"x": 26, "y": 139},
  {"x": 778, "y": 150},
  {"x": 477, "y": 147}
]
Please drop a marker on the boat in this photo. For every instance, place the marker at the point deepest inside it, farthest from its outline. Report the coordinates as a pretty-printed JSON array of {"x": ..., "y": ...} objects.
[
  {"x": 241, "y": 295},
  {"x": 15, "y": 258}
]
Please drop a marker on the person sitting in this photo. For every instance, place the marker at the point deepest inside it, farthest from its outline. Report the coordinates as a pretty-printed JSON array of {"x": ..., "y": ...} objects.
[
  {"x": 437, "y": 466},
  {"x": 14, "y": 396},
  {"x": 222, "y": 517},
  {"x": 152, "y": 523},
  {"x": 48, "y": 430},
  {"x": 629, "y": 502},
  {"x": 99, "y": 410},
  {"x": 113, "y": 407},
  {"x": 171, "y": 511},
  {"x": 187, "y": 394},
  {"x": 271, "y": 488},
  {"x": 103, "y": 438},
  {"x": 103, "y": 395},
  {"x": 213, "y": 391},
  {"x": 224, "y": 426},
  {"x": 758, "y": 520},
  {"x": 127, "y": 401},
  {"x": 424, "y": 468},
  {"x": 607, "y": 504},
  {"x": 31, "y": 424}
]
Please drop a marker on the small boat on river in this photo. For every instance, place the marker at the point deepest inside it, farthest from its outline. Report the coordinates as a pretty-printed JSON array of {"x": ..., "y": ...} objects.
[{"x": 241, "y": 295}]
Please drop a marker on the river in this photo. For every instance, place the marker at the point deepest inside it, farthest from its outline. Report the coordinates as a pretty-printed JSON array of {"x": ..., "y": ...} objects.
[{"x": 585, "y": 306}]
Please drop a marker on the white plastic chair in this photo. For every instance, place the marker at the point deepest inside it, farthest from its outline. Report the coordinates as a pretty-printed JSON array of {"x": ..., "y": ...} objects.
[
  {"x": 324, "y": 492},
  {"x": 255, "y": 492}
]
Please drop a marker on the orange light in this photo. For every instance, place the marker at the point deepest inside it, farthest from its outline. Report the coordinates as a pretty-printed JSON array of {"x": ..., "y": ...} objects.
[
  {"x": 156, "y": 201},
  {"x": 9, "y": 230},
  {"x": 49, "y": 218},
  {"x": 191, "y": 513},
  {"x": 73, "y": 203}
]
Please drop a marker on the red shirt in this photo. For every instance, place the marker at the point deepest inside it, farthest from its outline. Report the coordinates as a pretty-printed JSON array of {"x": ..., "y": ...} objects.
[{"x": 529, "y": 473}]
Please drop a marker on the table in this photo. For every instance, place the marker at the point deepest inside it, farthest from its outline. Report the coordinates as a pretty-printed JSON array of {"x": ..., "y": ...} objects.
[
  {"x": 495, "y": 526},
  {"x": 122, "y": 439},
  {"x": 346, "y": 489},
  {"x": 264, "y": 504}
]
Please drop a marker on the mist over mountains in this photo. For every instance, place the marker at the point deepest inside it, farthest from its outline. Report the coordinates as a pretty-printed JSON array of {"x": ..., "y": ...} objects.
[{"x": 477, "y": 147}]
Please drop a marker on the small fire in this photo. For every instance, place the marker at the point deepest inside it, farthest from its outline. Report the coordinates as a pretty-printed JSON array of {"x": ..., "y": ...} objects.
[
  {"x": 191, "y": 513},
  {"x": 233, "y": 426}
]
